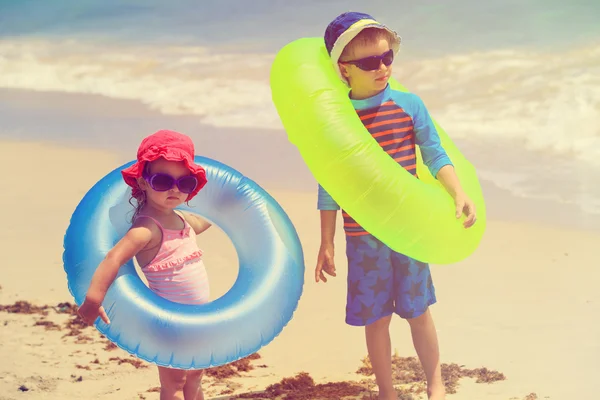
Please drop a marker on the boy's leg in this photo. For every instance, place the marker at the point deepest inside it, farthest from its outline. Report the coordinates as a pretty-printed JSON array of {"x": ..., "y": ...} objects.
[
  {"x": 379, "y": 347},
  {"x": 415, "y": 293},
  {"x": 370, "y": 303},
  {"x": 426, "y": 344}
]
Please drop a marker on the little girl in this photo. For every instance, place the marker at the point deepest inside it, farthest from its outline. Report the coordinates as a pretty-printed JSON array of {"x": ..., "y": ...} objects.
[{"x": 162, "y": 241}]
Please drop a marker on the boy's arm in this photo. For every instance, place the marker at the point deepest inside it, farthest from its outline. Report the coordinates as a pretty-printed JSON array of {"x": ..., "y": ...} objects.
[
  {"x": 439, "y": 164},
  {"x": 428, "y": 140},
  {"x": 325, "y": 201},
  {"x": 328, "y": 221},
  {"x": 464, "y": 205},
  {"x": 328, "y": 207},
  {"x": 325, "y": 259},
  {"x": 448, "y": 178}
]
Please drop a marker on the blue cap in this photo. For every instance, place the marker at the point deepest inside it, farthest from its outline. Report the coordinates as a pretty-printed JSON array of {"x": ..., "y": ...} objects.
[{"x": 345, "y": 27}]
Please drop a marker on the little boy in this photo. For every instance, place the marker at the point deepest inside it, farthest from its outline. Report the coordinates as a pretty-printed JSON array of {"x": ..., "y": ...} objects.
[{"x": 380, "y": 281}]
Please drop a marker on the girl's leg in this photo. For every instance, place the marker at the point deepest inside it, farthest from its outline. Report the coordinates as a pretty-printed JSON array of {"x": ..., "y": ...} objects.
[
  {"x": 193, "y": 386},
  {"x": 172, "y": 382}
]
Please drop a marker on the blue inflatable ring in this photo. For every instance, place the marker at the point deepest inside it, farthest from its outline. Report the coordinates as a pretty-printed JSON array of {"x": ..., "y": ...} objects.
[{"x": 250, "y": 315}]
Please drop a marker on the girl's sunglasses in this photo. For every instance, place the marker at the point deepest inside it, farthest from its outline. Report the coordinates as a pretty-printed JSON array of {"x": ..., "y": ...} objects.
[
  {"x": 374, "y": 62},
  {"x": 164, "y": 182}
]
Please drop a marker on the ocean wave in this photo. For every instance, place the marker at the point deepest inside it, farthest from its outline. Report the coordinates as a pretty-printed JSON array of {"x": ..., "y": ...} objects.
[
  {"x": 540, "y": 101},
  {"x": 537, "y": 100},
  {"x": 223, "y": 89}
]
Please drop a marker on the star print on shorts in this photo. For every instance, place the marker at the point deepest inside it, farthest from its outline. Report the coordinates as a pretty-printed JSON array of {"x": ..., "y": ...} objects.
[{"x": 382, "y": 281}]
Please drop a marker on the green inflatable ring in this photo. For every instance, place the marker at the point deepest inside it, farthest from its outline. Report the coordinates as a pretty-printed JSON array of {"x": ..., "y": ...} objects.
[{"x": 415, "y": 217}]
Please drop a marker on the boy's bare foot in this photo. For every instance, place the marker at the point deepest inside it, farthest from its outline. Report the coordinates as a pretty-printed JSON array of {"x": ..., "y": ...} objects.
[{"x": 437, "y": 392}]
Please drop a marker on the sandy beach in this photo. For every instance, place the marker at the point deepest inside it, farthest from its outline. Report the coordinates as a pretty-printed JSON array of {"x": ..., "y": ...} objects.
[{"x": 519, "y": 315}]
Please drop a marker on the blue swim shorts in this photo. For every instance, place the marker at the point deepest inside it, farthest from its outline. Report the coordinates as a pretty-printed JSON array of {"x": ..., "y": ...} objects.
[{"x": 382, "y": 281}]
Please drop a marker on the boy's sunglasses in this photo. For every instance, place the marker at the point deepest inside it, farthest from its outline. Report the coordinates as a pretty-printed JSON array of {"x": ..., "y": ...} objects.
[
  {"x": 163, "y": 182},
  {"x": 374, "y": 62}
]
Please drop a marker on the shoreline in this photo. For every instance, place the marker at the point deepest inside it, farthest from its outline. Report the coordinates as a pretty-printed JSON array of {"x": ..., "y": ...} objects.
[
  {"x": 98, "y": 122},
  {"x": 501, "y": 204}
]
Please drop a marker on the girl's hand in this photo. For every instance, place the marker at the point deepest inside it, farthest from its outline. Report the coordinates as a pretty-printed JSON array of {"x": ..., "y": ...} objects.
[
  {"x": 89, "y": 312},
  {"x": 464, "y": 205}
]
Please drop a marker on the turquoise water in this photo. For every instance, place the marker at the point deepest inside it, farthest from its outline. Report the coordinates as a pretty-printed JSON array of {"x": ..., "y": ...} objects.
[{"x": 430, "y": 26}]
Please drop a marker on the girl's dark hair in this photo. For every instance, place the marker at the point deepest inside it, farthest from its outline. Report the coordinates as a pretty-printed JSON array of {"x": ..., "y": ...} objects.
[
  {"x": 139, "y": 196},
  {"x": 140, "y": 202}
]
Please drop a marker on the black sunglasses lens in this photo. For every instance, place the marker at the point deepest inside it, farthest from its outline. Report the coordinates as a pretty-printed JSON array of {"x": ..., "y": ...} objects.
[
  {"x": 369, "y": 64},
  {"x": 187, "y": 184},
  {"x": 388, "y": 58},
  {"x": 373, "y": 63}
]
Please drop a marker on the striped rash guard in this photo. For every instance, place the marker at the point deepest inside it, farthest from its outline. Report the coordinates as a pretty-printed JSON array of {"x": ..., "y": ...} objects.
[{"x": 397, "y": 121}]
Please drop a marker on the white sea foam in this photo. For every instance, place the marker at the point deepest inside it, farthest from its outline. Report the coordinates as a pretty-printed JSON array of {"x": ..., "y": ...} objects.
[
  {"x": 222, "y": 89},
  {"x": 540, "y": 101}
]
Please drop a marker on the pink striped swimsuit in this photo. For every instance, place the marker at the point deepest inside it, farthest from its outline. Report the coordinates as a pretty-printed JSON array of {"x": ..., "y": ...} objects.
[{"x": 177, "y": 272}]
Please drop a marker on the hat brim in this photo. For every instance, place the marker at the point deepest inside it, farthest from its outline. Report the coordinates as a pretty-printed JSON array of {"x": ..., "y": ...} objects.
[
  {"x": 345, "y": 38},
  {"x": 132, "y": 173}
]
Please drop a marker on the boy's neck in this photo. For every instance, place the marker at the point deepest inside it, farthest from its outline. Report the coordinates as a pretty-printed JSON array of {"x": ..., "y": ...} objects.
[{"x": 360, "y": 95}]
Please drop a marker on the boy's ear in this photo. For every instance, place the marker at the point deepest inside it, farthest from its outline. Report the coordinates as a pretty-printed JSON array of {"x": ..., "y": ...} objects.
[{"x": 344, "y": 70}]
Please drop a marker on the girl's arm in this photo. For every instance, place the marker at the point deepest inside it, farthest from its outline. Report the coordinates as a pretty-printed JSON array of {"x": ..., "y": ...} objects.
[
  {"x": 197, "y": 223},
  {"x": 134, "y": 241}
]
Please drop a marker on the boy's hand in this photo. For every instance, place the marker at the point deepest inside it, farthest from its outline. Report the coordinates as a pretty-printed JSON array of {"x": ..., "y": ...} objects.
[
  {"x": 89, "y": 312},
  {"x": 325, "y": 262},
  {"x": 464, "y": 205}
]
